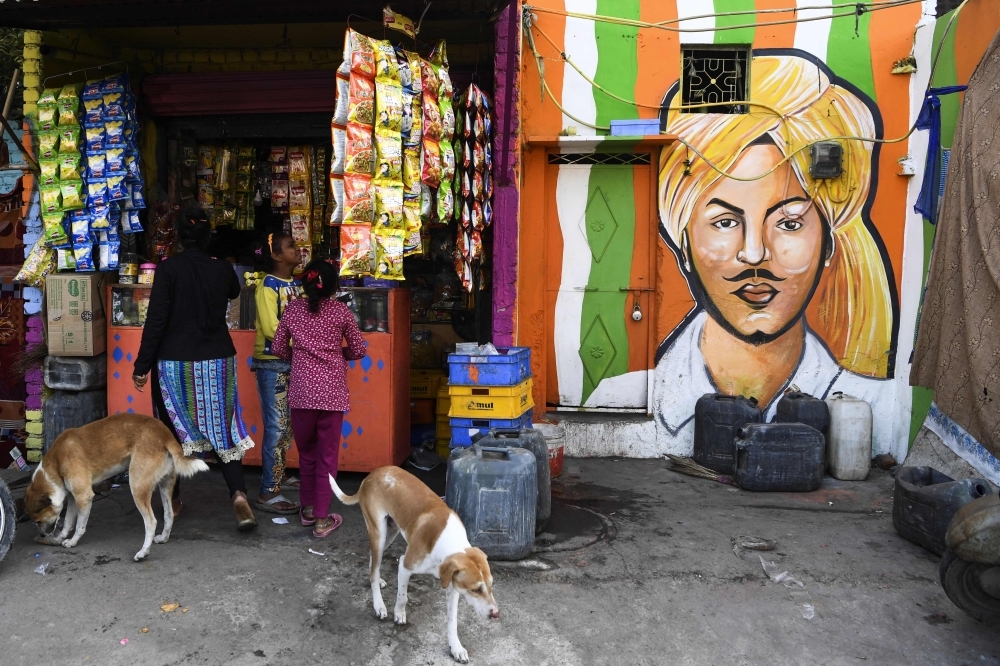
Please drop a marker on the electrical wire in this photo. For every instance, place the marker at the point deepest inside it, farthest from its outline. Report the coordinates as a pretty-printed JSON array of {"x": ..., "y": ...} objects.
[
  {"x": 858, "y": 8},
  {"x": 529, "y": 23}
]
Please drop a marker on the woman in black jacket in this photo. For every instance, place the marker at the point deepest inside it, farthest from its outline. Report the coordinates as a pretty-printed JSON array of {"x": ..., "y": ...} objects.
[{"x": 186, "y": 343}]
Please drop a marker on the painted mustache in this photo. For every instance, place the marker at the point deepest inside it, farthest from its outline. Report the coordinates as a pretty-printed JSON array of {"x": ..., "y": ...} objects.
[{"x": 752, "y": 273}]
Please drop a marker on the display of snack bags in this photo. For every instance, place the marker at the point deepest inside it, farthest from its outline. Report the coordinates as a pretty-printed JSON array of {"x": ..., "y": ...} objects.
[
  {"x": 355, "y": 250},
  {"x": 38, "y": 264},
  {"x": 389, "y": 253}
]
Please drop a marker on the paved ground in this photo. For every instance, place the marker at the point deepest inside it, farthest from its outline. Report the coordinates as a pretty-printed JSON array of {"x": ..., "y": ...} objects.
[{"x": 638, "y": 568}]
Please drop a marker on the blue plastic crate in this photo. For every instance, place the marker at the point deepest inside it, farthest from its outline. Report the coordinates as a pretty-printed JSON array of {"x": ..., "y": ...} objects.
[
  {"x": 637, "y": 127},
  {"x": 463, "y": 430},
  {"x": 508, "y": 368}
]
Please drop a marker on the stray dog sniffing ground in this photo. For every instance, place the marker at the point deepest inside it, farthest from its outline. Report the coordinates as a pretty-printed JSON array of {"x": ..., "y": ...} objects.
[
  {"x": 393, "y": 502},
  {"x": 83, "y": 457}
]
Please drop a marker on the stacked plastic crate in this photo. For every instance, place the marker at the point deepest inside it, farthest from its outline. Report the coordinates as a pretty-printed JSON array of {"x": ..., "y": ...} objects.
[{"x": 488, "y": 389}]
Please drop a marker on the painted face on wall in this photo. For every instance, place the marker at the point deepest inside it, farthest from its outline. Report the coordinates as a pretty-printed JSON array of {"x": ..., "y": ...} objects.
[{"x": 757, "y": 247}]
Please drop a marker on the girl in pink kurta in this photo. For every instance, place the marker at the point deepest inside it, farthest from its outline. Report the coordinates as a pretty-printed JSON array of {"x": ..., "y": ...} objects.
[{"x": 311, "y": 333}]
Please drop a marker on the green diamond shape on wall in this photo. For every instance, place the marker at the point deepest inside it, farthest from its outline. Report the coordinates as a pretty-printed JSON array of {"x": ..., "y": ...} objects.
[
  {"x": 597, "y": 351},
  {"x": 599, "y": 224}
]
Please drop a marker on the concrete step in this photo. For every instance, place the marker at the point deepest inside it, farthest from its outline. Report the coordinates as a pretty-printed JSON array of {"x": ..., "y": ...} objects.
[{"x": 598, "y": 435}]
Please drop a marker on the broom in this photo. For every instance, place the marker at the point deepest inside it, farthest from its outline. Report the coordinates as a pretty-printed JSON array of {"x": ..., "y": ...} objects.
[
  {"x": 689, "y": 467},
  {"x": 32, "y": 357}
]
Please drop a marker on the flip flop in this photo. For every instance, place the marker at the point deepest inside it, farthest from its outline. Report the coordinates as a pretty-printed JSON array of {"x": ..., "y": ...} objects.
[
  {"x": 327, "y": 531},
  {"x": 270, "y": 505},
  {"x": 291, "y": 483},
  {"x": 306, "y": 522}
]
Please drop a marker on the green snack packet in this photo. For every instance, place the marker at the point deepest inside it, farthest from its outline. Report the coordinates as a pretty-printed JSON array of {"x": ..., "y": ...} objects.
[
  {"x": 48, "y": 117},
  {"x": 71, "y": 91},
  {"x": 48, "y": 144},
  {"x": 66, "y": 260},
  {"x": 69, "y": 138},
  {"x": 49, "y": 174},
  {"x": 72, "y": 194},
  {"x": 69, "y": 166},
  {"x": 69, "y": 110},
  {"x": 50, "y": 97},
  {"x": 55, "y": 234},
  {"x": 51, "y": 199}
]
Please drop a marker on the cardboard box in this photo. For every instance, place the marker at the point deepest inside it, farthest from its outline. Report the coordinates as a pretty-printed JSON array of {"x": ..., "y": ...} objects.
[{"x": 76, "y": 318}]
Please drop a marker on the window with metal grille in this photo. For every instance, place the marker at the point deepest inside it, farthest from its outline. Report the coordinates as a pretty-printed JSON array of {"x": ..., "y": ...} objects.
[
  {"x": 716, "y": 76},
  {"x": 599, "y": 158}
]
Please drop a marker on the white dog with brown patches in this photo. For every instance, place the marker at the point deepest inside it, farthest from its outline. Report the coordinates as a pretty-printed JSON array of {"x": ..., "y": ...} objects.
[
  {"x": 393, "y": 502},
  {"x": 82, "y": 457}
]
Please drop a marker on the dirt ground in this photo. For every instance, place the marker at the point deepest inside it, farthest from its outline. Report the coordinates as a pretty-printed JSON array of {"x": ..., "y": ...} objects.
[{"x": 637, "y": 567}]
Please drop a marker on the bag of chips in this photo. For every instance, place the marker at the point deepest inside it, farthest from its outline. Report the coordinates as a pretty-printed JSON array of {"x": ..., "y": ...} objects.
[
  {"x": 84, "y": 255},
  {"x": 298, "y": 195},
  {"x": 337, "y": 209},
  {"x": 388, "y": 206},
  {"x": 132, "y": 165},
  {"x": 361, "y": 101},
  {"x": 114, "y": 105},
  {"x": 37, "y": 265},
  {"x": 411, "y": 171},
  {"x": 65, "y": 260},
  {"x": 48, "y": 117},
  {"x": 298, "y": 163},
  {"x": 428, "y": 207},
  {"x": 100, "y": 217},
  {"x": 53, "y": 230},
  {"x": 93, "y": 110},
  {"x": 355, "y": 250},
  {"x": 301, "y": 228},
  {"x": 137, "y": 197},
  {"x": 79, "y": 226},
  {"x": 359, "y": 199},
  {"x": 430, "y": 168},
  {"x": 49, "y": 172},
  {"x": 412, "y": 225},
  {"x": 389, "y": 253},
  {"x": 130, "y": 222},
  {"x": 359, "y": 54},
  {"x": 445, "y": 204},
  {"x": 69, "y": 112},
  {"x": 339, "y": 136},
  {"x": 116, "y": 185},
  {"x": 114, "y": 134},
  {"x": 279, "y": 194},
  {"x": 51, "y": 198},
  {"x": 96, "y": 165},
  {"x": 343, "y": 93},
  {"x": 48, "y": 144},
  {"x": 93, "y": 136},
  {"x": 386, "y": 65},
  {"x": 388, "y": 106},
  {"x": 388, "y": 157},
  {"x": 72, "y": 194},
  {"x": 49, "y": 97},
  {"x": 360, "y": 150},
  {"x": 69, "y": 166}
]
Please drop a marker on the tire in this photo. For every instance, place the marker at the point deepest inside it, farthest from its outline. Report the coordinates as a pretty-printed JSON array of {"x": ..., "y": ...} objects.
[
  {"x": 973, "y": 587},
  {"x": 7, "y": 519}
]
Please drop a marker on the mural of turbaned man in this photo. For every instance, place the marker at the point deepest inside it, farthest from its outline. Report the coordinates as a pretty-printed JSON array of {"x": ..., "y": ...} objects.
[{"x": 791, "y": 282}]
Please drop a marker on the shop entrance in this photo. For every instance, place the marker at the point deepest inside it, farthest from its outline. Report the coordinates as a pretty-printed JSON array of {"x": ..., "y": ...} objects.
[{"x": 600, "y": 281}]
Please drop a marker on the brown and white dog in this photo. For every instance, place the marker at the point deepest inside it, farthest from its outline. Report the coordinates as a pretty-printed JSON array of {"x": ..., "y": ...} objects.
[
  {"x": 83, "y": 457},
  {"x": 393, "y": 502}
]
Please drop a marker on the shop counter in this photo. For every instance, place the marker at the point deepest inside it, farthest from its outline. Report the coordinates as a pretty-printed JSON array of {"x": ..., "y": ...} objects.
[{"x": 375, "y": 431}]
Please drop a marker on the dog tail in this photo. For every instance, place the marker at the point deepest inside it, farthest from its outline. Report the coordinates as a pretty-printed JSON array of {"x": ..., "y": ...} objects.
[
  {"x": 186, "y": 467},
  {"x": 349, "y": 500}
]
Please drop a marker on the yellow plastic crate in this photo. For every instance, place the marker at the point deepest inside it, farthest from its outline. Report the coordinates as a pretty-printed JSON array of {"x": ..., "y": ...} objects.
[
  {"x": 490, "y": 402},
  {"x": 424, "y": 383},
  {"x": 443, "y": 401},
  {"x": 442, "y": 428}
]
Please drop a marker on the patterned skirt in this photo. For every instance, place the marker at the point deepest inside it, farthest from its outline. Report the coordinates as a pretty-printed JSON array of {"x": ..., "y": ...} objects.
[{"x": 203, "y": 404}]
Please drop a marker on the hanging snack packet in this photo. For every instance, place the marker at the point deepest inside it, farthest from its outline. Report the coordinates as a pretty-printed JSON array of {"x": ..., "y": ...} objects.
[
  {"x": 38, "y": 264},
  {"x": 93, "y": 134},
  {"x": 411, "y": 171},
  {"x": 100, "y": 217},
  {"x": 84, "y": 255},
  {"x": 359, "y": 54},
  {"x": 72, "y": 194},
  {"x": 65, "y": 261},
  {"x": 48, "y": 144},
  {"x": 79, "y": 226},
  {"x": 339, "y": 136},
  {"x": 298, "y": 195},
  {"x": 388, "y": 157},
  {"x": 54, "y": 232},
  {"x": 360, "y": 153},
  {"x": 114, "y": 133},
  {"x": 445, "y": 204},
  {"x": 389, "y": 254},
  {"x": 69, "y": 166},
  {"x": 279, "y": 194},
  {"x": 430, "y": 170},
  {"x": 138, "y": 200},
  {"x": 386, "y": 65},
  {"x": 115, "y": 158},
  {"x": 388, "y": 206},
  {"x": 69, "y": 139},
  {"x": 359, "y": 199},
  {"x": 343, "y": 92},
  {"x": 49, "y": 97},
  {"x": 132, "y": 165},
  {"x": 48, "y": 117},
  {"x": 298, "y": 164},
  {"x": 279, "y": 155},
  {"x": 114, "y": 105},
  {"x": 431, "y": 111},
  {"x": 116, "y": 185},
  {"x": 301, "y": 228},
  {"x": 92, "y": 90},
  {"x": 411, "y": 220},
  {"x": 130, "y": 222},
  {"x": 70, "y": 91},
  {"x": 355, "y": 249},
  {"x": 49, "y": 172},
  {"x": 113, "y": 83},
  {"x": 337, "y": 209},
  {"x": 93, "y": 110},
  {"x": 69, "y": 112},
  {"x": 361, "y": 101},
  {"x": 447, "y": 163},
  {"x": 97, "y": 192},
  {"x": 427, "y": 205},
  {"x": 51, "y": 198}
]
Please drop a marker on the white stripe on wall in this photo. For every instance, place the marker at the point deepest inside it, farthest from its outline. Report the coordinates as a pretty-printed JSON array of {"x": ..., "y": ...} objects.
[
  {"x": 913, "y": 237},
  {"x": 813, "y": 36},
  {"x": 696, "y": 8},
  {"x": 581, "y": 48},
  {"x": 571, "y": 203}
]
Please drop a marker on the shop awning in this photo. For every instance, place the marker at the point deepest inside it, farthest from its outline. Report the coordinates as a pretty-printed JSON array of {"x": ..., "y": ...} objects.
[
  {"x": 56, "y": 14},
  {"x": 172, "y": 95}
]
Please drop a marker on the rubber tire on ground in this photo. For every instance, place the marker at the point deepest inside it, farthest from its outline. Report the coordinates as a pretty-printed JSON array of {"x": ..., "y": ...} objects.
[
  {"x": 960, "y": 580},
  {"x": 7, "y": 520}
]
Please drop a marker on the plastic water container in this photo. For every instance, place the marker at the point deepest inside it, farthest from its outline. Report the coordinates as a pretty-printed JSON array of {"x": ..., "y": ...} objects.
[
  {"x": 849, "y": 439},
  {"x": 782, "y": 457},
  {"x": 72, "y": 409},
  {"x": 555, "y": 439},
  {"x": 717, "y": 419},
  {"x": 495, "y": 491},
  {"x": 798, "y": 407},
  {"x": 924, "y": 501},
  {"x": 534, "y": 441},
  {"x": 76, "y": 373}
]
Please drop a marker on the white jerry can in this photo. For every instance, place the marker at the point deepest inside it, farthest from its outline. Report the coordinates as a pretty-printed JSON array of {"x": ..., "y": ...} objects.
[{"x": 849, "y": 443}]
